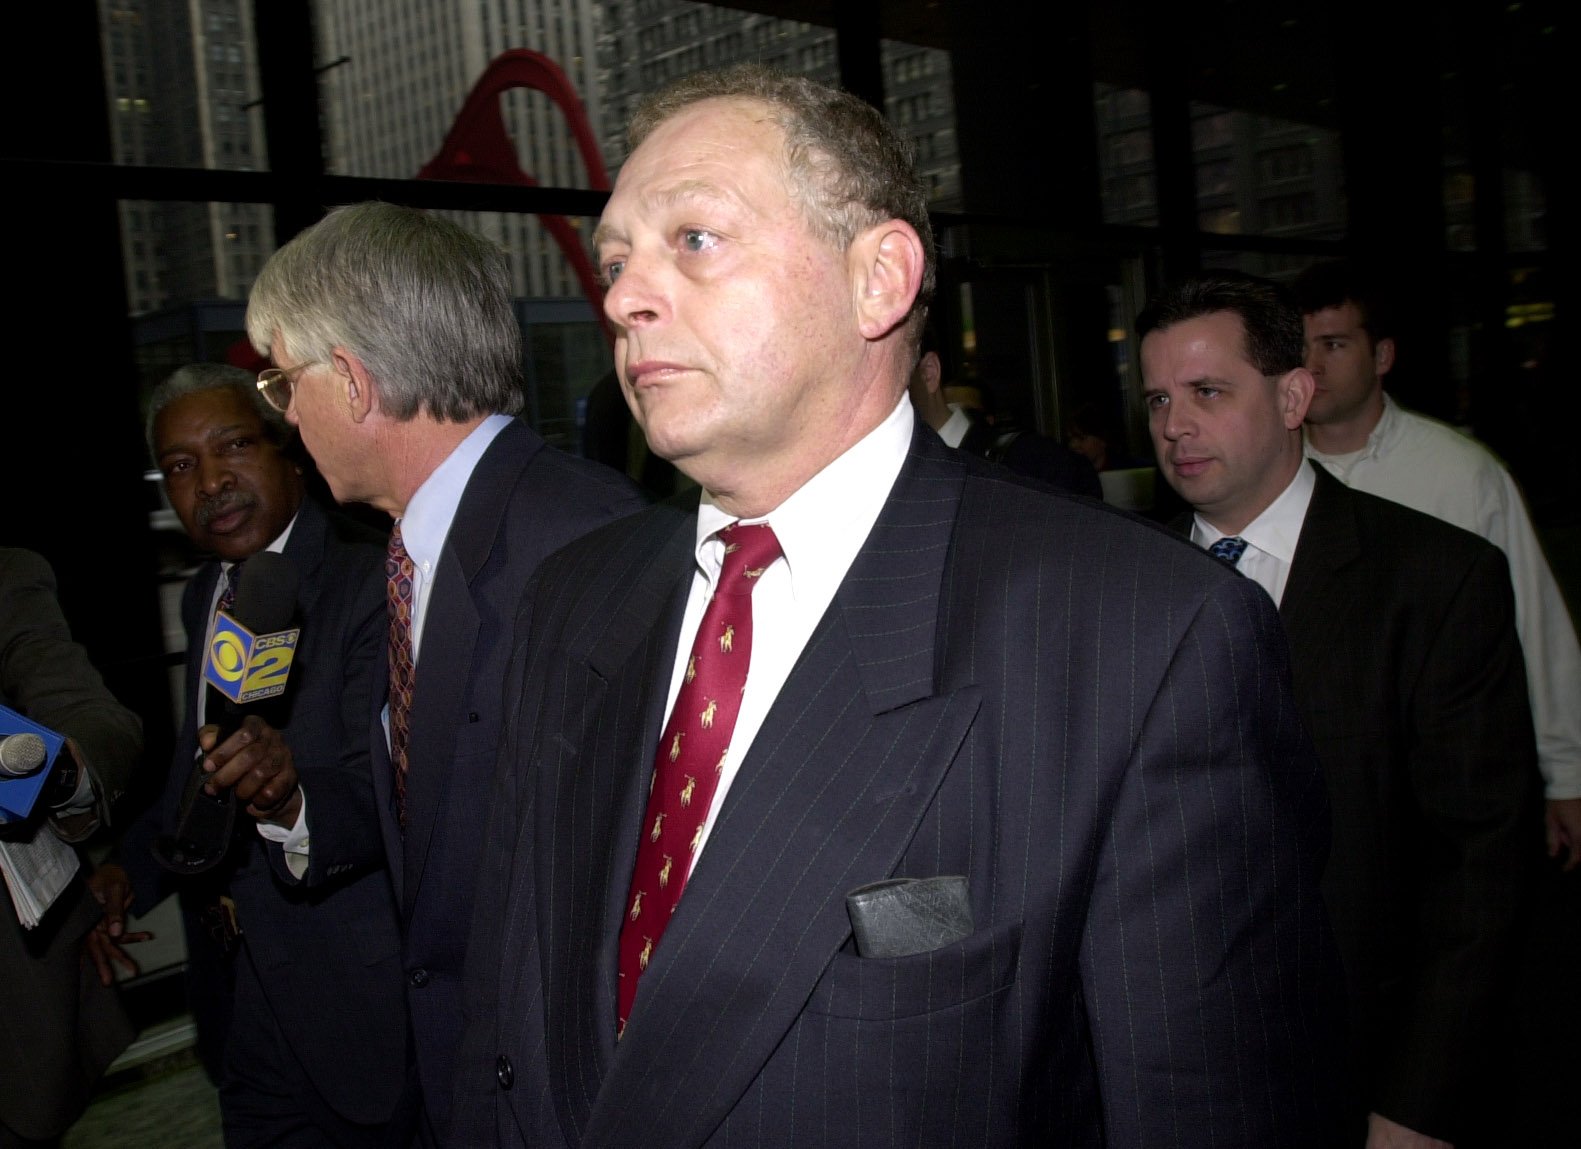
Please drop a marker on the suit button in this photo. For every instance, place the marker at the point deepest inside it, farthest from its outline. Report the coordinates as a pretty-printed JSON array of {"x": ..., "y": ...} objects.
[
  {"x": 503, "y": 1071},
  {"x": 418, "y": 977}
]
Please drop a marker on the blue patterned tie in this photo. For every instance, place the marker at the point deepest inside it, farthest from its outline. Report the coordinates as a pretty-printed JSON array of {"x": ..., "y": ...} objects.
[{"x": 1229, "y": 549}]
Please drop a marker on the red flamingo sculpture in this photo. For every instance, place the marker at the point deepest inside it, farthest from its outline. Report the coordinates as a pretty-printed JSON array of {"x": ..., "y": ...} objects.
[{"x": 478, "y": 149}]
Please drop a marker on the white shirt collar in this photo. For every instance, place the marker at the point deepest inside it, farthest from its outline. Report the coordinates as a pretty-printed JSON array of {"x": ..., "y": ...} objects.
[
  {"x": 956, "y": 426},
  {"x": 822, "y": 525},
  {"x": 1379, "y": 439},
  {"x": 278, "y": 547},
  {"x": 1277, "y": 530},
  {"x": 432, "y": 508}
]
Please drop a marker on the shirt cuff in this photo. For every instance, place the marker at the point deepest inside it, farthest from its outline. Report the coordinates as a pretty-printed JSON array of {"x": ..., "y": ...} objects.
[
  {"x": 293, "y": 841},
  {"x": 82, "y": 799}
]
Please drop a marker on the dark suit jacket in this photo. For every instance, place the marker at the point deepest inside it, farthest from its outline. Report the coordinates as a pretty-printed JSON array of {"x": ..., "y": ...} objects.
[
  {"x": 524, "y": 500},
  {"x": 1409, "y": 676},
  {"x": 1088, "y": 720},
  {"x": 328, "y": 958},
  {"x": 60, "y": 1029}
]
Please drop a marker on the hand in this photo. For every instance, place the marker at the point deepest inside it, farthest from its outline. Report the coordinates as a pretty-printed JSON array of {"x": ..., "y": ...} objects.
[
  {"x": 1564, "y": 830},
  {"x": 110, "y": 886},
  {"x": 256, "y": 763},
  {"x": 1385, "y": 1134}
]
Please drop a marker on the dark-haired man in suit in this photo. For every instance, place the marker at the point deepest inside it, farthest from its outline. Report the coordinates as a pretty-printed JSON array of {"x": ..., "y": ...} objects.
[
  {"x": 861, "y": 656},
  {"x": 1408, "y": 674}
]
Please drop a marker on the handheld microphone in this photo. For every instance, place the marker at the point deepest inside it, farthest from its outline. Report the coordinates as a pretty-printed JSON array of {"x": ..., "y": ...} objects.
[
  {"x": 27, "y": 757},
  {"x": 247, "y": 664},
  {"x": 21, "y": 754}
]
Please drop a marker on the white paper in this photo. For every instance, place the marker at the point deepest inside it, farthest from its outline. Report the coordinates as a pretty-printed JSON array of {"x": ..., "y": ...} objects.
[{"x": 36, "y": 871}]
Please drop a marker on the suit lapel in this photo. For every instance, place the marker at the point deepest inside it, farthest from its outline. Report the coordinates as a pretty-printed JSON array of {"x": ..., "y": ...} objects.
[
  {"x": 591, "y": 789},
  {"x": 384, "y": 778},
  {"x": 450, "y": 635},
  {"x": 437, "y": 696},
  {"x": 305, "y": 549},
  {"x": 1329, "y": 541},
  {"x": 827, "y": 799}
]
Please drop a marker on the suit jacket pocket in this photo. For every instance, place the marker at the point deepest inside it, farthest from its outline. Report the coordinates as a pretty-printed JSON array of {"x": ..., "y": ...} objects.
[
  {"x": 888, "y": 989},
  {"x": 478, "y": 738}
]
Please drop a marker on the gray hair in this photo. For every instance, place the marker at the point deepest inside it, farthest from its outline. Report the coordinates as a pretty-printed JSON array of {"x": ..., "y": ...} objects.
[
  {"x": 847, "y": 167},
  {"x": 195, "y": 377},
  {"x": 422, "y": 302}
]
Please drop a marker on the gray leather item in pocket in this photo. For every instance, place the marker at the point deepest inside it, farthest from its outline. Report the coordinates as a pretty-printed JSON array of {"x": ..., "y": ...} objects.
[{"x": 904, "y": 916}]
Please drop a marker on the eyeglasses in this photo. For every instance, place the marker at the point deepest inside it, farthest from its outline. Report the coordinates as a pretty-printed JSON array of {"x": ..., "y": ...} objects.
[{"x": 277, "y": 385}]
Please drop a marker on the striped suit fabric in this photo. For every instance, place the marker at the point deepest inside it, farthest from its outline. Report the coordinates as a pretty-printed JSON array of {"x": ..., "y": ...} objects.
[{"x": 1083, "y": 714}]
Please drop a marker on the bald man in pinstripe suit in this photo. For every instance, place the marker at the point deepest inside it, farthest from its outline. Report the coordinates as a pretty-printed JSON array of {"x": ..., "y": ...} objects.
[{"x": 953, "y": 673}]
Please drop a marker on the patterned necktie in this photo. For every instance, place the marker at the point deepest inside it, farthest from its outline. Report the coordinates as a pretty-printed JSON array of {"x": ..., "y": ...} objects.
[
  {"x": 1230, "y": 548},
  {"x": 692, "y": 752},
  {"x": 398, "y": 573},
  {"x": 233, "y": 577}
]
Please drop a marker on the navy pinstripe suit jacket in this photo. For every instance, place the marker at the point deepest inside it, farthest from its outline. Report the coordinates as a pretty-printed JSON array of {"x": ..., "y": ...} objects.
[{"x": 1086, "y": 716}]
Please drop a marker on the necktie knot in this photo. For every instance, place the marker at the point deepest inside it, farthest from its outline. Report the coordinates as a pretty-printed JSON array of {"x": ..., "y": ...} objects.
[
  {"x": 749, "y": 551},
  {"x": 395, "y": 556},
  {"x": 1230, "y": 548},
  {"x": 233, "y": 578}
]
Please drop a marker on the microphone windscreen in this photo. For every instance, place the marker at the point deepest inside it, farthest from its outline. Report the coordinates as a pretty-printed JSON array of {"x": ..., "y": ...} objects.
[
  {"x": 266, "y": 597},
  {"x": 21, "y": 754}
]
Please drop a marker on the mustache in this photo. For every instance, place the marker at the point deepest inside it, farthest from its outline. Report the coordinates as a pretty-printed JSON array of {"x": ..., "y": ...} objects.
[{"x": 223, "y": 504}]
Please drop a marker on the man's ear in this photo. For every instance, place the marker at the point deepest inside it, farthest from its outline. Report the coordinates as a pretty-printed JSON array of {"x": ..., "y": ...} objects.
[
  {"x": 886, "y": 263},
  {"x": 930, "y": 371},
  {"x": 357, "y": 386},
  {"x": 1295, "y": 396},
  {"x": 1383, "y": 357}
]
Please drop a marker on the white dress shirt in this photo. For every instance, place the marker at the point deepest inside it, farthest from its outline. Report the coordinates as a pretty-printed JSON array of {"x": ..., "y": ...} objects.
[
  {"x": 1271, "y": 537},
  {"x": 426, "y": 522},
  {"x": 820, "y": 529},
  {"x": 1431, "y": 467},
  {"x": 956, "y": 426}
]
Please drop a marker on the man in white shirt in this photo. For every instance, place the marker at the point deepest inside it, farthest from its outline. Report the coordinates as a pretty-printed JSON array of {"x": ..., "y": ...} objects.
[
  {"x": 1373, "y": 444},
  {"x": 1407, "y": 675},
  {"x": 860, "y": 657}
]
